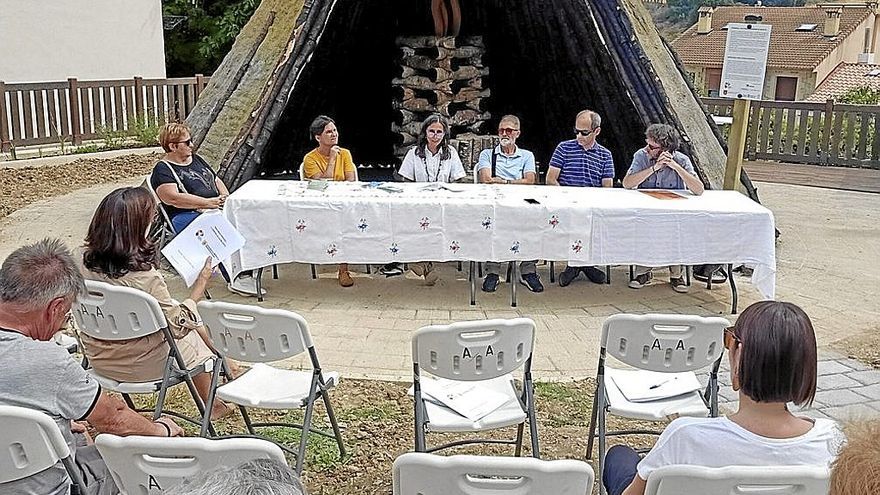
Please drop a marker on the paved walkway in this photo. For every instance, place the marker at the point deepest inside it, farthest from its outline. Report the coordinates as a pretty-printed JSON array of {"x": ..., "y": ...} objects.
[{"x": 825, "y": 260}]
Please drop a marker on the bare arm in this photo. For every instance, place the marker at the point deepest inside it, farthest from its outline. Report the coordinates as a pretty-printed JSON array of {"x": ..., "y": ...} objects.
[
  {"x": 690, "y": 181},
  {"x": 169, "y": 195},
  {"x": 553, "y": 176},
  {"x": 349, "y": 176},
  {"x": 607, "y": 182},
  {"x": 529, "y": 178},
  {"x": 637, "y": 487},
  {"x": 485, "y": 175},
  {"x": 224, "y": 191},
  {"x": 632, "y": 181},
  {"x": 111, "y": 415}
]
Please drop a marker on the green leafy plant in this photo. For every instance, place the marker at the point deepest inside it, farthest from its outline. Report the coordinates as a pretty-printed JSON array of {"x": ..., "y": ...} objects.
[
  {"x": 863, "y": 95},
  {"x": 145, "y": 131}
]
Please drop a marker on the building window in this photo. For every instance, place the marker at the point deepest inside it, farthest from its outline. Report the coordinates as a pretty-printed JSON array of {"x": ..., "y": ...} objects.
[
  {"x": 713, "y": 81},
  {"x": 786, "y": 88}
]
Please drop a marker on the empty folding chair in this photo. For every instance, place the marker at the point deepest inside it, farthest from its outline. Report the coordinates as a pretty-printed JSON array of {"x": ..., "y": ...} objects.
[
  {"x": 111, "y": 312},
  {"x": 427, "y": 474},
  {"x": 776, "y": 480},
  {"x": 475, "y": 361},
  {"x": 255, "y": 335},
  {"x": 31, "y": 442},
  {"x": 665, "y": 350},
  {"x": 153, "y": 464}
]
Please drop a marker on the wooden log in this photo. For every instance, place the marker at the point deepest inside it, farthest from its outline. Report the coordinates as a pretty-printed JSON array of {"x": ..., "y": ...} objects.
[
  {"x": 464, "y": 73},
  {"x": 420, "y": 105},
  {"x": 468, "y": 93},
  {"x": 475, "y": 104},
  {"x": 467, "y": 117},
  {"x": 467, "y": 52},
  {"x": 472, "y": 41},
  {"x": 427, "y": 42},
  {"x": 409, "y": 128},
  {"x": 425, "y": 62},
  {"x": 422, "y": 83}
]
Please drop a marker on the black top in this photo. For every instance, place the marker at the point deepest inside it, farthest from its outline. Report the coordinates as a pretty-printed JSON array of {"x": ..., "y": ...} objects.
[{"x": 197, "y": 178}]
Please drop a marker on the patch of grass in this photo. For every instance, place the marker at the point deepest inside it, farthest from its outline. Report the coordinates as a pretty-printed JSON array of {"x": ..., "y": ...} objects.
[
  {"x": 565, "y": 404},
  {"x": 371, "y": 412}
]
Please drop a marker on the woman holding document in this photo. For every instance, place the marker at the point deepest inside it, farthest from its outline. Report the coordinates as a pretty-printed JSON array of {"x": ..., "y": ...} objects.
[{"x": 118, "y": 252}]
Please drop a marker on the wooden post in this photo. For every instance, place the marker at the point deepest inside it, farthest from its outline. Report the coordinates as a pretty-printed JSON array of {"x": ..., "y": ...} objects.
[
  {"x": 200, "y": 85},
  {"x": 139, "y": 98},
  {"x": 5, "y": 145},
  {"x": 736, "y": 144},
  {"x": 825, "y": 150},
  {"x": 75, "y": 129}
]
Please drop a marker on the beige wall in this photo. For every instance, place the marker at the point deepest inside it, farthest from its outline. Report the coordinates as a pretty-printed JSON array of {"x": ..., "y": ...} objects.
[
  {"x": 51, "y": 40},
  {"x": 848, "y": 51},
  {"x": 805, "y": 85}
]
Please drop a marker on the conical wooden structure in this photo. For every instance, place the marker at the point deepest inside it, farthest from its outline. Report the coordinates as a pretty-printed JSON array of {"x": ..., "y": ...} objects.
[{"x": 549, "y": 59}]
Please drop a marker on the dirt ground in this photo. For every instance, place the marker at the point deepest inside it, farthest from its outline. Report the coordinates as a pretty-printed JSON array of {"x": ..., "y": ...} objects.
[{"x": 20, "y": 187}]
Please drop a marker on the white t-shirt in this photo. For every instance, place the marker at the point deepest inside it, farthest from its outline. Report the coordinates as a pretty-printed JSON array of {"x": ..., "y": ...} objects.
[
  {"x": 719, "y": 442},
  {"x": 431, "y": 168}
]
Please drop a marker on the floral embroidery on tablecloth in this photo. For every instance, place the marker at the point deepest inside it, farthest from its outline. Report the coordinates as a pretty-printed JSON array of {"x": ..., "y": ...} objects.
[
  {"x": 272, "y": 252},
  {"x": 454, "y": 247},
  {"x": 515, "y": 247},
  {"x": 554, "y": 221},
  {"x": 394, "y": 249},
  {"x": 424, "y": 223},
  {"x": 363, "y": 225},
  {"x": 487, "y": 223},
  {"x": 332, "y": 250},
  {"x": 300, "y": 225},
  {"x": 577, "y": 246}
]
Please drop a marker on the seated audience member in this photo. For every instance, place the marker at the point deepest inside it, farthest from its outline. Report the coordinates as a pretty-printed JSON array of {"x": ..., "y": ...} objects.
[
  {"x": 856, "y": 471},
  {"x": 659, "y": 165},
  {"x": 258, "y": 477},
  {"x": 329, "y": 162},
  {"x": 118, "y": 252},
  {"x": 432, "y": 159},
  {"x": 772, "y": 354},
  {"x": 38, "y": 285},
  {"x": 188, "y": 187},
  {"x": 508, "y": 164},
  {"x": 582, "y": 162}
]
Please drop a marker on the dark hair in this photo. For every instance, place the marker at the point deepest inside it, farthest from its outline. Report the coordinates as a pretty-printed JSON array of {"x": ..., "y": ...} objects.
[
  {"x": 317, "y": 126},
  {"x": 778, "y": 361},
  {"x": 117, "y": 240},
  {"x": 422, "y": 142},
  {"x": 664, "y": 135}
]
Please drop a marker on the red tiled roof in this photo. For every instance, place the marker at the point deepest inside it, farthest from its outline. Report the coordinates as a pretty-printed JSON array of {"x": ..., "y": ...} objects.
[
  {"x": 789, "y": 49},
  {"x": 844, "y": 78}
]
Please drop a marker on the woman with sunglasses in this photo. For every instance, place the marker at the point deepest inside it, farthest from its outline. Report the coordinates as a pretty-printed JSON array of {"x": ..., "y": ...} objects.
[
  {"x": 187, "y": 187},
  {"x": 772, "y": 354}
]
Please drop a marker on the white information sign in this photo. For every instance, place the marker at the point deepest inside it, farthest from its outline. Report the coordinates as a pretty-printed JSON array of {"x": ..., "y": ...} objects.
[
  {"x": 210, "y": 234},
  {"x": 745, "y": 61}
]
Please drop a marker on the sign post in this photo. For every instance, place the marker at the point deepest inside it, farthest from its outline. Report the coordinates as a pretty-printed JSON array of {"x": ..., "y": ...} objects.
[{"x": 742, "y": 78}]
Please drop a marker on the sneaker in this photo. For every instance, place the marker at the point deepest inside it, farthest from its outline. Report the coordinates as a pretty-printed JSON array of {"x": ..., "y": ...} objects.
[
  {"x": 567, "y": 275},
  {"x": 678, "y": 285},
  {"x": 490, "y": 283},
  {"x": 719, "y": 275},
  {"x": 431, "y": 277},
  {"x": 532, "y": 281},
  {"x": 595, "y": 275},
  {"x": 641, "y": 280},
  {"x": 245, "y": 285},
  {"x": 345, "y": 279},
  {"x": 391, "y": 270}
]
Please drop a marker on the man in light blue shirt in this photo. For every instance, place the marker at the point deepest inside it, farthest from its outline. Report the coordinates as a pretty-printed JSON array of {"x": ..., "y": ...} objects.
[
  {"x": 659, "y": 165},
  {"x": 508, "y": 164}
]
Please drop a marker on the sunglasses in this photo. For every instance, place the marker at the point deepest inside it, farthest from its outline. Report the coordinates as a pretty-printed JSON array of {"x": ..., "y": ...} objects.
[
  {"x": 730, "y": 339},
  {"x": 584, "y": 132},
  {"x": 188, "y": 142},
  {"x": 507, "y": 130}
]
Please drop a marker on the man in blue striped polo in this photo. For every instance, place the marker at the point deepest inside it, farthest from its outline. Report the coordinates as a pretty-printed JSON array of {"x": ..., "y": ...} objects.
[{"x": 582, "y": 162}]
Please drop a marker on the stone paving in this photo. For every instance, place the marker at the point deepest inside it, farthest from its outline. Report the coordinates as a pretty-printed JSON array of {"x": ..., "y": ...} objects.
[{"x": 825, "y": 264}]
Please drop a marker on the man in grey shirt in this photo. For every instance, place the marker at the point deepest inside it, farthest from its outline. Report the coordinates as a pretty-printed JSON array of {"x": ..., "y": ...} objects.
[
  {"x": 38, "y": 285},
  {"x": 659, "y": 165}
]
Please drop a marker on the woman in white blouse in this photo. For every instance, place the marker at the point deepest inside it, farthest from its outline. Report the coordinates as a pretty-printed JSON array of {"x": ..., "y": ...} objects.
[{"x": 432, "y": 159}]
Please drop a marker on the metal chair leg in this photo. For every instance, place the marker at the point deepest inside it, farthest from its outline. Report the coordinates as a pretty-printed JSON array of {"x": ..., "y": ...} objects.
[
  {"x": 608, "y": 274},
  {"x": 259, "y": 281},
  {"x": 632, "y": 273},
  {"x": 732, "y": 288},
  {"x": 473, "y": 284},
  {"x": 275, "y": 272},
  {"x": 512, "y": 280},
  {"x": 314, "y": 272},
  {"x": 552, "y": 272}
]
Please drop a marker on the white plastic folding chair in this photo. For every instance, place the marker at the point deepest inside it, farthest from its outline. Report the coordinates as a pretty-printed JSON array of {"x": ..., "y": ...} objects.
[
  {"x": 428, "y": 474},
  {"x": 111, "y": 312},
  {"x": 654, "y": 343},
  {"x": 161, "y": 232},
  {"x": 255, "y": 335},
  {"x": 487, "y": 352},
  {"x": 31, "y": 442},
  {"x": 142, "y": 465},
  {"x": 764, "y": 480}
]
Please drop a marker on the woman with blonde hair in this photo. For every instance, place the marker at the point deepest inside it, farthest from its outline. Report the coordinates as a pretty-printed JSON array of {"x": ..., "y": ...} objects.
[{"x": 856, "y": 471}]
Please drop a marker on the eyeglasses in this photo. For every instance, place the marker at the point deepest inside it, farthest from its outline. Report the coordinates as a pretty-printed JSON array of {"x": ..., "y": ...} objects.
[
  {"x": 436, "y": 132},
  {"x": 730, "y": 339},
  {"x": 507, "y": 130},
  {"x": 188, "y": 142},
  {"x": 584, "y": 132}
]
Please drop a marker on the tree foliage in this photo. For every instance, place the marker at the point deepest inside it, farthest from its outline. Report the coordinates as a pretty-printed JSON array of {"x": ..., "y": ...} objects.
[
  {"x": 684, "y": 12},
  {"x": 199, "y": 43},
  {"x": 864, "y": 95}
]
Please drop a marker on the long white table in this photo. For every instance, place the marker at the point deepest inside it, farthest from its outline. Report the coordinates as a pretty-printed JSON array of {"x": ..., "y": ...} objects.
[{"x": 351, "y": 222}]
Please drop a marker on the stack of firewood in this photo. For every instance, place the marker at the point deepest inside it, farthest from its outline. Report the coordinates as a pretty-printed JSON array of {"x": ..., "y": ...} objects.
[{"x": 439, "y": 76}]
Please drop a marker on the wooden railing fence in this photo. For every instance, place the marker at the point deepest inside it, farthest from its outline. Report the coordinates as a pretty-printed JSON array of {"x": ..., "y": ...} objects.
[
  {"x": 818, "y": 133},
  {"x": 73, "y": 111}
]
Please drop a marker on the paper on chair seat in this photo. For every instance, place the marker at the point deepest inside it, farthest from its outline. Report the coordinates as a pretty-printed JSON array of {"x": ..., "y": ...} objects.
[
  {"x": 646, "y": 386},
  {"x": 469, "y": 399}
]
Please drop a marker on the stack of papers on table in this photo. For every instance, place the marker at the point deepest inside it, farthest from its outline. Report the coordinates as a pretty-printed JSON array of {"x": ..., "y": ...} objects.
[
  {"x": 469, "y": 399},
  {"x": 646, "y": 386}
]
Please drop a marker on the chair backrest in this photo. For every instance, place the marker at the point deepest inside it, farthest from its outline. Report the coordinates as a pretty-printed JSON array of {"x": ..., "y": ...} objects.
[
  {"x": 112, "y": 312},
  {"x": 664, "y": 343},
  {"x": 148, "y": 465},
  {"x": 735, "y": 480},
  {"x": 474, "y": 350},
  {"x": 30, "y": 442},
  {"x": 302, "y": 173},
  {"x": 159, "y": 205},
  {"x": 253, "y": 334},
  {"x": 428, "y": 474}
]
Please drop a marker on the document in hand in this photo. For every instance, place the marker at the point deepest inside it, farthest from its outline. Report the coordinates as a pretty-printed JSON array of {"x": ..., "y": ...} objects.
[
  {"x": 210, "y": 234},
  {"x": 469, "y": 399},
  {"x": 645, "y": 386}
]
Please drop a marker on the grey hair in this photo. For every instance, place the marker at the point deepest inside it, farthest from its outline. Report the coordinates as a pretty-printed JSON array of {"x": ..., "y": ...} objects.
[
  {"x": 595, "y": 118},
  {"x": 513, "y": 119},
  {"x": 35, "y": 274},
  {"x": 664, "y": 135},
  {"x": 257, "y": 477}
]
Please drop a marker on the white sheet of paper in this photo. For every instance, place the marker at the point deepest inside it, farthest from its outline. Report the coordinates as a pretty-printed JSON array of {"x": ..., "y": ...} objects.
[
  {"x": 466, "y": 398},
  {"x": 645, "y": 386},
  {"x": 210, "y": 234}
]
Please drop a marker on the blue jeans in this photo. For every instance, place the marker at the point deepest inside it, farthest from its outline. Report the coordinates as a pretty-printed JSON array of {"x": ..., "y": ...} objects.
[
  {"x": 181, "y": 221},
  {"x": 620, "y": 468}
]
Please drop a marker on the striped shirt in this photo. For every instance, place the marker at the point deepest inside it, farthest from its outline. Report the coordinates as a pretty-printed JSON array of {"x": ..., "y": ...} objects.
[{"x": 580, "y": 167}]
